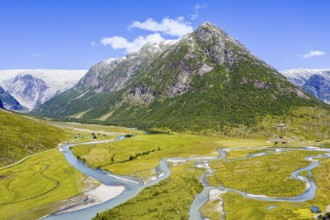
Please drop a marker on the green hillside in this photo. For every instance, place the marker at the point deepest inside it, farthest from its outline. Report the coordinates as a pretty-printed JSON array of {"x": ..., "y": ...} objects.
[
  {"x": 205, "y": 81},
  {"x": 22, "y": 136}
]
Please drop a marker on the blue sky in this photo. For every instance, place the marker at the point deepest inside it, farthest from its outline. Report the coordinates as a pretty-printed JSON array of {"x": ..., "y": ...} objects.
[{"x": 72, "y": 34}]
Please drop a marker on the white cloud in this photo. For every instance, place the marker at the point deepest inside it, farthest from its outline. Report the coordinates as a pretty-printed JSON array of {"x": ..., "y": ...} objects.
[
  {"x": 118, "y": 42},
  {"x": 173, "y": 27},
  {"x": 313, "y": 53},
  {"x": 197, "y": 7},
  {"x": 93, "y": 44},
  {"x": 38, "y": 54}
]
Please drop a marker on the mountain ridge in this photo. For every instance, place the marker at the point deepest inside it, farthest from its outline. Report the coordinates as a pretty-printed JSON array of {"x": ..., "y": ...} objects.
[
  {"x": 32, "y": 87},
  {"x": 206, "y": 80},
  {"x": 314, "y": 81}
]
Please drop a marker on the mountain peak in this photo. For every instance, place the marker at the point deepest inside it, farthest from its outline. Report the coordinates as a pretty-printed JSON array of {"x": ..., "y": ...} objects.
[
  {"x": 208, "y": 24},
  {"x": 210, "y": 33},
  {"x": 212, "y": 29}
]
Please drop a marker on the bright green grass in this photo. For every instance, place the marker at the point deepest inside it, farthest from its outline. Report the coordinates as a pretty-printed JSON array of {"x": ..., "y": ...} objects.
[
  {"x": 79, "y": 133},
  {"x": 138, "y": 155},
  {"x": 211, "y": 210},
  {"x": 169, "y": 199},
  {"x": 304, "y": 123},
  {"x": 239, "y": 207},
  {"x": 39, "y": 180},
  {"x": 266, "y": 175},
  {"x": 96, "y": 127},
  {"x": 22, "y": 136}
]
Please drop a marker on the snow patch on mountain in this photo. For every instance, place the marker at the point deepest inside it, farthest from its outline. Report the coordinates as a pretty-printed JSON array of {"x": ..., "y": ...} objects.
[
  {"x": 314, "y": 81},
  {"x": 32, "y": 87}
]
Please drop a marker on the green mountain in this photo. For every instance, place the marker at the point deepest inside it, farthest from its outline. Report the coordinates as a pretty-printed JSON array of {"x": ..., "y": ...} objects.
[
  {"x": 205, "y": 81},
  {"x": 22, "y": 136}
]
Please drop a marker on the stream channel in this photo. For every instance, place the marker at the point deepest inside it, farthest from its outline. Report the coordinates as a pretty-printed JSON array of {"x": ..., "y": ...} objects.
[{"x": 133, "y": 186}]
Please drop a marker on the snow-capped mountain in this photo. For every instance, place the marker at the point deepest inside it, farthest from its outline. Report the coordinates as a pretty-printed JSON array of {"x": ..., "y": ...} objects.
[
  {"x": 32, "y": 87},
  {"x": 314, "y": 81}
]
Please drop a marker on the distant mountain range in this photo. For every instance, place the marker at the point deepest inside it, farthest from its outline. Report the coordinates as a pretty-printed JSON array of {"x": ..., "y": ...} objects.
[
  {"x": 32, "y": 87},
  {"x": 314, "y": 81},
  {"x": 206, "y": 80}
]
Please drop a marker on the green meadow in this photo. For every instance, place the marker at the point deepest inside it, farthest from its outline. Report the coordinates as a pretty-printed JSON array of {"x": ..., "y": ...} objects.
[
  {"x": 262, "y": 181},
  {"x": 41, "y": 180},
  {"x": 169, "y": 199},
  {"x": 268, "y": 175},
  {"x": 39, "y": 183},
  {"x": 139, "y": 155}
]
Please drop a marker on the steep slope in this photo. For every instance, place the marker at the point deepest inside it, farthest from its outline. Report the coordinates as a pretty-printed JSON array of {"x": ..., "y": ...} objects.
[
  {"x": 34, "y": 87},
  {"x": 8, "y": 101},
  {"x": 21, "y": 136},
  {"x": 207, "y": 80},
  {"x": 314, "y": 81}
]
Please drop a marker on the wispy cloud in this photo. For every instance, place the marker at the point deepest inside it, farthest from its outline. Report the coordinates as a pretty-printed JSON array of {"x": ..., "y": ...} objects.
[
  {"x": 172, "y": 27},
  {"x": 93, "y": 44},
  {"x": 313, "y": 53},
  {"x": 197, "y": 7},
  {"x": 118, "y": 42},
  {"x": 38, "y": 54}
]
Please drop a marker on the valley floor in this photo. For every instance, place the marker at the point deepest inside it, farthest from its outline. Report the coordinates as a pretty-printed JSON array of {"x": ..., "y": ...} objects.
[{"x": 45, "y": 183}]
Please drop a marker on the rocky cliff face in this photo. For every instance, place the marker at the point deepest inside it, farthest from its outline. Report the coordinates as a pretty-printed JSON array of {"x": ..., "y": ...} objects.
[
  {"x": 29, "y": 90},
  {"x": 34, "y": 87},
  {"x": 206, "y": 80},
  {"x": 9, "y": 102},
  {"x": 1, "y": 105},
  {"x": 114, "y": 73},
  {"x": 314, "y": 81}
]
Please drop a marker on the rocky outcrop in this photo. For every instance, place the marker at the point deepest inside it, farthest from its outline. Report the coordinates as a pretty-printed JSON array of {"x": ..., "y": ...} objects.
[
  {"x": 262, "y": 85},
  {"x": 141, "y": 94}
]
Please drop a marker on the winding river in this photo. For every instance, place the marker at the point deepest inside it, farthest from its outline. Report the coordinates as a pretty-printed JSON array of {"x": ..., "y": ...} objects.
[{"x": 133, "y": 186}]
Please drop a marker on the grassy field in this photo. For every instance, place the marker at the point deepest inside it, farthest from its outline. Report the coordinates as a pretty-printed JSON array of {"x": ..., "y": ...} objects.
[
  {"x": 96, "y": 127},
  {"x": 139, "y": 155},
  {"x": 266, "y": 175},
  {"x": 239, "y": 207},
  {"x": 79, "y": 133},
  {"x": 38, "y": 184},
  {"x": 22, "y": 136},
  {"x": 40, "y": 180},
  {"x": 168, "y": 200},
  {"x": 304, "y": 123},
  {"x": 211, "y": 210}
]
